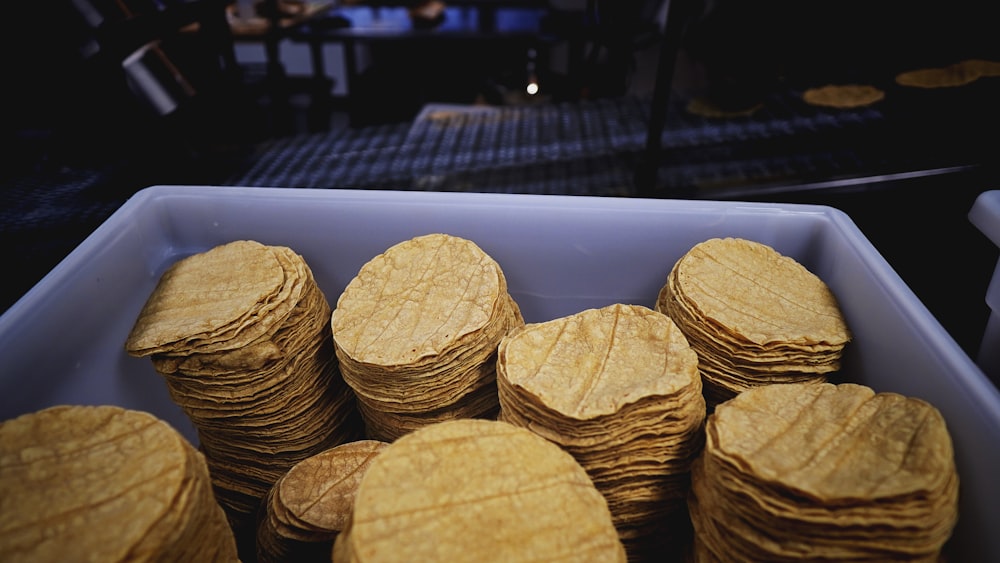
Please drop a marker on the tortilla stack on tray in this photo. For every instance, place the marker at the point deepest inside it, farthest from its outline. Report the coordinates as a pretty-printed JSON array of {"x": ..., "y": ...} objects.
[
  {"x": 824, "y": 473},
  {"x": 102, "y": 483},
  {"x": 754, "y": 316},
  {"x": 843, "y": 96},
  {"x": 705, "y": 107},
  {"x": 416, "y": 333},
  {"x": 474, "y": 490},
  {"x": 309, "y": 506},
  {"x": 241, "y": 335},
  {"x": 954, "y": 75},
  {"x": 618, "y": 388}
]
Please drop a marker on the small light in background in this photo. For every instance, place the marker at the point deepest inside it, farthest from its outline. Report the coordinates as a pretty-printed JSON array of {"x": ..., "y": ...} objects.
[{"x": 532, "y": 87}]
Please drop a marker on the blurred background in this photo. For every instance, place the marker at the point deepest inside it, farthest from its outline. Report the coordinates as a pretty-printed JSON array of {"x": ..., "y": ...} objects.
[{"x": 667, "y": 99}]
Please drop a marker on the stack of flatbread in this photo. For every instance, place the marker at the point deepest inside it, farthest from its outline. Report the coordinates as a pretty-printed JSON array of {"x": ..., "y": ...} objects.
[
  {"x": 102, "y": 483},
  {"x": 843, "y": 96},
  {"x": 311, "y": 504},
  {"x": 477, "y": 490},
  {"x": 618, "y": 388},
  {"x": 961, "y": 73},
  {"x": 241, "y": 335},
  {"x": 754, "y": 316},
  {"x": 416, "y": 333},
  {"x": 703, "y": 106},
  {"x": 824, "y": 473}
]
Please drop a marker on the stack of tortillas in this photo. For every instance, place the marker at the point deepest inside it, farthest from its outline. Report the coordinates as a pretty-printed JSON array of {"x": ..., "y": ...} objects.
[
  {"x": 950, "y": 76},
  {"x": 477, "y": 490},
  {"x": 241, "y": 335},
  {"x": 843, "y": 96},
  {"x": 754, "y": 316},
  {"x": 312, "y": 503},
  {"x": 824, "y": 473},
  {"x": 704, "y": 107},
  {"x": 416, "y": 333},
  {"x": 102, "y": 483},
  {"x": 618, "y": 388}
]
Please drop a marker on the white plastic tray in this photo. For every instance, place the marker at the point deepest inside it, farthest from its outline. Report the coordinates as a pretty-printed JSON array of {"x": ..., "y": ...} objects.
[
  {"x": 63, "y": 341},
  {"x": 985, "y": 215}
]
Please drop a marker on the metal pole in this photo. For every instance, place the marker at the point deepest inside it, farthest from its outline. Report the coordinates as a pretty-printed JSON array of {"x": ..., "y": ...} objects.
[{"x": 678, "y": 12}]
